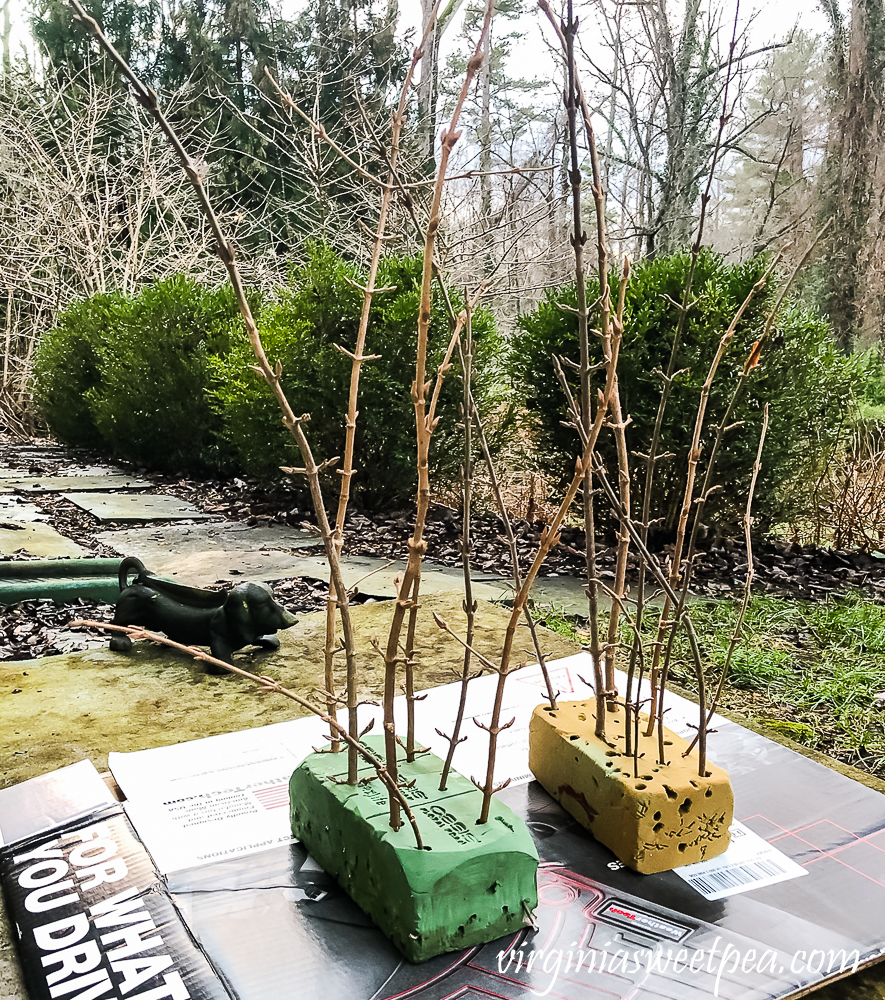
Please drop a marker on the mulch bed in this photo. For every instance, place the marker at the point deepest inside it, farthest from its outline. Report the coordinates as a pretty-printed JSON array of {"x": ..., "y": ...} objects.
[{"x": 32, "y": 629}]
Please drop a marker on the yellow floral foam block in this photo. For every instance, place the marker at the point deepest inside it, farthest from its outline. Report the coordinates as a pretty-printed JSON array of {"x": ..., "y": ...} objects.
[{"x": 653, "y": 816}]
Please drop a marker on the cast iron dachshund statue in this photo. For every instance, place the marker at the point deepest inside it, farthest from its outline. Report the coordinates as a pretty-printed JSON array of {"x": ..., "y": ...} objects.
[{"x": 246, "y": 615}]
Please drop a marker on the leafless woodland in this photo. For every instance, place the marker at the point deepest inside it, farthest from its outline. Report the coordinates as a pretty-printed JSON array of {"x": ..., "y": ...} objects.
[{"x": 76, "y": 218}]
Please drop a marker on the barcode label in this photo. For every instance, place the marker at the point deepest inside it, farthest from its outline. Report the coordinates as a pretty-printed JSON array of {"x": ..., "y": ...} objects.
[
  {"x": 737, "y": 875},
  {"x": 749, "y": 863}
]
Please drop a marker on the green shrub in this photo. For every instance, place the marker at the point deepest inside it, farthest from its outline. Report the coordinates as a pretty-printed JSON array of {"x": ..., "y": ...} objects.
[
  {"x": 131, "y": 375},
  {"x": 869, "y": 419},
  {"x": 164, "y": 378},
  {"x": 805, "y": 379},
  {"x": 872, "y": 371},
  {"x": 67, "y": 368},
  {"x": 302, "y": 330}
]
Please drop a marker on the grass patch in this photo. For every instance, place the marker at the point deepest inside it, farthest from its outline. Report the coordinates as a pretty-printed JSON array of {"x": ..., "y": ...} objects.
[
  {"x": 811, "y": 667},
  {"x": 556, "y": 620}
]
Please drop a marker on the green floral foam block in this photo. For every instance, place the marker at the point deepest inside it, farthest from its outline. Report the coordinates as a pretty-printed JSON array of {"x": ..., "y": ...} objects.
[{"x": 471, "y": 884}]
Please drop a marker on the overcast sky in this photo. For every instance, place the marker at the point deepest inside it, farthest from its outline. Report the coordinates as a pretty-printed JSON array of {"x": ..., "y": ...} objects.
[
  {"x": 773, "y": 19},
  {"x": 774, "y": 16},
  {"x": 770, "y": 20}
]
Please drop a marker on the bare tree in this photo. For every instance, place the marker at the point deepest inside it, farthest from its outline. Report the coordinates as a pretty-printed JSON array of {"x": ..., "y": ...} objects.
[
  {"x": 770, "y": 191},
  {"x": 661, "y": 94},
  {"x": 506, "y": 192},
  {"x": 78, "y": 217}
]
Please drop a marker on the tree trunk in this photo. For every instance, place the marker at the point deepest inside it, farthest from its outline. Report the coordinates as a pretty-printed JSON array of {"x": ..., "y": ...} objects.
[
  {"x": 849, "y": 175},
  {"x": 485, "y": 154},
  {"x": 427, "y": 88},
  {"x": 7, "y": 35}
]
